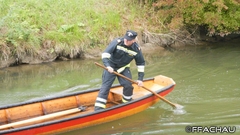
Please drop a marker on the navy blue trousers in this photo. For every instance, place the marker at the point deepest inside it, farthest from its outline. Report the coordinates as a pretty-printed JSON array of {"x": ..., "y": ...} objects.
[{"x": 107, "y": 81}]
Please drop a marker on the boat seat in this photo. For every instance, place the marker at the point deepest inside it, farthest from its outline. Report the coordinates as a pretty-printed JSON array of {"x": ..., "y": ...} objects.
[
  {"x": 136, "y": 94},
  {"x": 117, "y": 91}
]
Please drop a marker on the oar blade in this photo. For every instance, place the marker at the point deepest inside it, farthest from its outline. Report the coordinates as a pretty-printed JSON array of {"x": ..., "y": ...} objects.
[{"x": 177, "y": 106}]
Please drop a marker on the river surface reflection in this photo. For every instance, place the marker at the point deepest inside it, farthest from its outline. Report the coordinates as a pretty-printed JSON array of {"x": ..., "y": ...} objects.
[{"x": 207, "y": 79}]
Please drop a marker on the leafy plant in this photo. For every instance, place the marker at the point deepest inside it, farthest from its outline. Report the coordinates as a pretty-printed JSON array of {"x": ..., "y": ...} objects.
[{"x": 221, "y": 17}]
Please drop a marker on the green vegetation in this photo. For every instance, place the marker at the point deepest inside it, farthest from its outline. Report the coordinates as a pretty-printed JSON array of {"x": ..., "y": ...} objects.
[
  {"x": 29, "y": 26},
  {"x": 69, "y": 27},
  {"x": 219, "y": 17}
]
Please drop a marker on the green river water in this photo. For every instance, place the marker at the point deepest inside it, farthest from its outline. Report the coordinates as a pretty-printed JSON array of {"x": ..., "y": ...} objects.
[{"x": 207, "y": 85}]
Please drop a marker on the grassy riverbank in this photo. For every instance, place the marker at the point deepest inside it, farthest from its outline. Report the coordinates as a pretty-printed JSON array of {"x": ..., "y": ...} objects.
[
  {"x": 40, "y": 29},
  {"x": 34, "y": 31}
]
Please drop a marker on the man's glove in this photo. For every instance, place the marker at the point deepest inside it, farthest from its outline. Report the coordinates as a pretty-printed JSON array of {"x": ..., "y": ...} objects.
[
  {"x": 110, "y": 69},
  {"x": 140, "y": 83}
]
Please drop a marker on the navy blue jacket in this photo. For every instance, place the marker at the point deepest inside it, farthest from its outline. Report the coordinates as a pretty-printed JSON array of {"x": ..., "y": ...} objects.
[{"x": 118, "y": 55}]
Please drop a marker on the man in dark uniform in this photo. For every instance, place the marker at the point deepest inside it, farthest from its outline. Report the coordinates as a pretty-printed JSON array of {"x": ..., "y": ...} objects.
[{"x": 117, "y": 57}]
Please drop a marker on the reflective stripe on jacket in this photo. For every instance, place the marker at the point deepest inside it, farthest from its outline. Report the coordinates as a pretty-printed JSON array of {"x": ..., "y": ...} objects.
[{"x": 118, "y": 56}]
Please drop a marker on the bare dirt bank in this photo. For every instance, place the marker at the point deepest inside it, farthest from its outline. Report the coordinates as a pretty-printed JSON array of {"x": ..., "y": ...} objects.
[{"x": 149, "y": 42}]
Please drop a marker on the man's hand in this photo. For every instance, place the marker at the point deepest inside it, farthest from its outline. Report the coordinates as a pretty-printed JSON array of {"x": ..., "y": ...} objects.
[
  {"x": 110, "y": 69},
  {"x": 140, "y": 83}
]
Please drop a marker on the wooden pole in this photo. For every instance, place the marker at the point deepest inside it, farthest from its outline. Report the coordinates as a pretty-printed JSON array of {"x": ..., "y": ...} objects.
[
  {"x": 165, "y": 100},
  {"x": 40, "y": 118}
]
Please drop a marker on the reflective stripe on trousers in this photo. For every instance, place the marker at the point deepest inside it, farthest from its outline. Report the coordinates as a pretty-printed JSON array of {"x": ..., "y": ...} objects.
[{"x": 107, "y": 81}]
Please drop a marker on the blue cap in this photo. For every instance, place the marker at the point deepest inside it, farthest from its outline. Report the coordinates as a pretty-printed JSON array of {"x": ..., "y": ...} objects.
[{"x": 130, "y": 35}]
